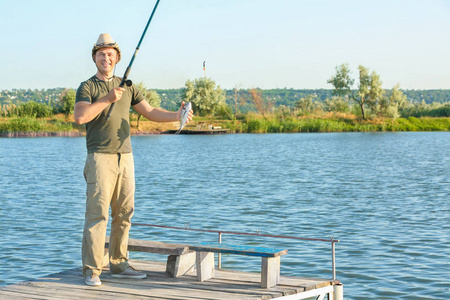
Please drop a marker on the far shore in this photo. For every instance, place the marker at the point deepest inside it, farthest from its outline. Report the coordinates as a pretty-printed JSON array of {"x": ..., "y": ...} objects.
[{"x": 66, "y": 127}]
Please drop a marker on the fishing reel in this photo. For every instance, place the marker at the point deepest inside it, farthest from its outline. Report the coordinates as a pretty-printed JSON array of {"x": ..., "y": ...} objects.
[{"x": 128, "y": 82}]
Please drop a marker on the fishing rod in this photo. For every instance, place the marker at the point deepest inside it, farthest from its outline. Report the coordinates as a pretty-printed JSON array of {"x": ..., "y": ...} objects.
[{"x": 127, "y": 71}]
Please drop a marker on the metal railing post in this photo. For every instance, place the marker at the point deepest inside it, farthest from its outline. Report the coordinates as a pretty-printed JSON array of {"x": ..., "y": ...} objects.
[
  {"x": 333, "y": 258},
  {"x": 219, "y": 258}
]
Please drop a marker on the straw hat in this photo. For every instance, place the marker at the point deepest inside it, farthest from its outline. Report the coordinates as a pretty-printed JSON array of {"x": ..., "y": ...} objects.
[{"x": 104, "y": 41}]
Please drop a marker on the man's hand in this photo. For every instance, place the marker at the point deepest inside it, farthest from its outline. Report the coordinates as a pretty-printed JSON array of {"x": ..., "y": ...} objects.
[
  {"x": 84, "y": 111},
  {"x": 114, "y": 95},
  {"x": 190, "y": 114}
]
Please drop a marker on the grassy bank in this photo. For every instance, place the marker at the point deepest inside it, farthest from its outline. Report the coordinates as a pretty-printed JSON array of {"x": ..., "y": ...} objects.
[
  {"x": 27, "y": 124},
  {"x": 61, "y": 125},
  {"x": 334, "y": 124}
]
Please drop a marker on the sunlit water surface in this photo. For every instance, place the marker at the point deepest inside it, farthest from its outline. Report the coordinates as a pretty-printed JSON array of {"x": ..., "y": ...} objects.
[{"x": 385, "y": 196}]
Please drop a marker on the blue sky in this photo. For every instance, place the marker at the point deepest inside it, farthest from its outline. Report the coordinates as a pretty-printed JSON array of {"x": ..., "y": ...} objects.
[{"x": 245, "y": 43}]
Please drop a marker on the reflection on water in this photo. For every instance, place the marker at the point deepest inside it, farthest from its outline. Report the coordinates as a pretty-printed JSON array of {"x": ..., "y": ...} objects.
[{"x": 385, "y": 196}]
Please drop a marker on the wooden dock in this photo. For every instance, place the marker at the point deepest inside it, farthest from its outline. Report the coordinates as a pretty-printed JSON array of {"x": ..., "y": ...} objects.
[
  {"x": 226, "y": 284},
  {"x": 200, "y": 131}
]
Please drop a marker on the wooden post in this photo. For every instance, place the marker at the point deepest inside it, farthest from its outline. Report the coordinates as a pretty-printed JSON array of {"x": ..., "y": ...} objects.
[
  {"x": 205, "y": 265},
  {"x": 270, "y": 271}
]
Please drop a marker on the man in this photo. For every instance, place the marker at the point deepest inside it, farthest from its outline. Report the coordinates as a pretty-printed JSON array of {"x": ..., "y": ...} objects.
[{"x": 109, "y": 168}]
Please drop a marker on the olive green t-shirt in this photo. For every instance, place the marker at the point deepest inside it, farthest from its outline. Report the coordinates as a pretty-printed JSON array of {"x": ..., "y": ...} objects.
[{"x": 111, "y": 136}]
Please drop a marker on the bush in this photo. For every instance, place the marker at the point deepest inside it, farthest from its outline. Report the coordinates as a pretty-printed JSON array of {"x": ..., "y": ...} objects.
[
  {"x": 257, "y": 126},
  {"x": 235, "y": 126},
  {"x": 291, "y": 125},
  {"x": 337, "y": 104},
  {"x": 29, "y": 109},
  {"x": 441, "y": 111},
  {"x": 303, "y": 125},
  {"x": 23, "y": 124},
  {"x": 437, "y": 110}
]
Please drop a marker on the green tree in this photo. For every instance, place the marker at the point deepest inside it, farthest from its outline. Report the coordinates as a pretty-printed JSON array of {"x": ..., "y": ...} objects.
[
  {"x": 369, "y": 91},
  {"x": 373, "y": 92},
  {"x": 342, "y": 81},
  {"x": 67, "y": 102},
  {"x": 337, "y": 104},
  {"x": 151, "y": 96},
  {"x": 308, "y": 105},
  {"x": 237, "y": 101},
  {"x": 206, "y": 98},
  {"x": 390, "y": 106}
]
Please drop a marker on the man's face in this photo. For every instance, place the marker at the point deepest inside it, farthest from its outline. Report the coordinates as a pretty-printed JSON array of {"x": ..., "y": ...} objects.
[{"x": 106, "y": 59}]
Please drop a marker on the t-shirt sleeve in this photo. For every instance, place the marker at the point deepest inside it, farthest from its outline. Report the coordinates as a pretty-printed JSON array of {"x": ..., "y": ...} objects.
[
  {"x": 137, "y": 96},
  {"x": 83, "y": 93}
]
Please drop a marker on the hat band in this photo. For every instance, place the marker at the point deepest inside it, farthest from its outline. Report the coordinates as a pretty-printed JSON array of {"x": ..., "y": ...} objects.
[{"x": 106, "y": 45}]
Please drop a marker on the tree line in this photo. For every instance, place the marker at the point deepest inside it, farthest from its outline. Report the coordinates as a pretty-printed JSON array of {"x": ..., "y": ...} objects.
[
  {"x": 362, "y": 96},
  {"x": 279, "y": 96}
]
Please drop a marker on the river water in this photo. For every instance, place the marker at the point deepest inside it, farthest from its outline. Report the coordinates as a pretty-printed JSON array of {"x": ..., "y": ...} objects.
[{"x": 385, "y": 196}]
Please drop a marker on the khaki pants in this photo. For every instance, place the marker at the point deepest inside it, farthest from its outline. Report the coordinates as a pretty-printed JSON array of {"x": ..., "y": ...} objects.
[{"x": 110, "y": 183}]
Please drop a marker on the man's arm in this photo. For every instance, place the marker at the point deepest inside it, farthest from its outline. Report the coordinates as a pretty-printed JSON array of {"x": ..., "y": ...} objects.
[
  {"x": 156, "y": 114},
  {"x": 85, "y": 111}
]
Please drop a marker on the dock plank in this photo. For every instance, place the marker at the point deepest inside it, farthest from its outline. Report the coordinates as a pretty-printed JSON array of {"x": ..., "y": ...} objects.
[
  {"x": 17, "y": 295},
  {"x": 226, "y": 284},
  {"x": 154, "y": 247}
]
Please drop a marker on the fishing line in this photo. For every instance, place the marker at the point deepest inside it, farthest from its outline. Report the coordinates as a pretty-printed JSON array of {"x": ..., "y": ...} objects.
[{"x": 127, "y": 71}]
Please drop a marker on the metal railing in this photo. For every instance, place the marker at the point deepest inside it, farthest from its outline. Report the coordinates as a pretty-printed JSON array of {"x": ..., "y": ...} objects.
[{"x": 258, "y": 233}]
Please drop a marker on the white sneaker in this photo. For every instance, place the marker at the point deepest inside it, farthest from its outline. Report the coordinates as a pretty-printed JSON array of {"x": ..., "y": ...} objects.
[
  {"x": 130, "y": 273},
  {"x": 92, "y": 280}
]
